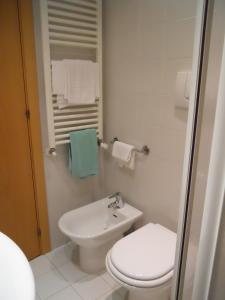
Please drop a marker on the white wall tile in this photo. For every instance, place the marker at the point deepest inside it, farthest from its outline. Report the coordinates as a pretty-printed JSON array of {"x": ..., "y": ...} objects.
[
  {"x": 181, "y": 9},
  {"x": 64, "y": 192},
  {"x": 171, "y": 117},
  {"x": 167, "y": 144},
  {"x": 139, "y": 99},
  {"x": 179, "y": 38},
  {"x": 153, "y": 11},
  {"x": 170, "y": 69}
]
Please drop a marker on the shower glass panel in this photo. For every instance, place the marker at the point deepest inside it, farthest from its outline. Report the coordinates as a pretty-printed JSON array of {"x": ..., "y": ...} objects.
[
  {"x": 217, "y": 290},
  {"x": 214, "y": 53}
]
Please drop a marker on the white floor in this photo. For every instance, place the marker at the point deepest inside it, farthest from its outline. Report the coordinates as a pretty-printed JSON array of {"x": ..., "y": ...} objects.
[{"x": 57, "y": 277}]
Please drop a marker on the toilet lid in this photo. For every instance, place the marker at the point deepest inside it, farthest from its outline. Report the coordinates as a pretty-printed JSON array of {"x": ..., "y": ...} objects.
[{"x": 146, "y": 254}]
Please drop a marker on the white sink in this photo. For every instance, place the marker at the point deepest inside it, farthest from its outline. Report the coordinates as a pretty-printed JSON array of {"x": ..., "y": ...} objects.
[{"x": 16, "y": 277}]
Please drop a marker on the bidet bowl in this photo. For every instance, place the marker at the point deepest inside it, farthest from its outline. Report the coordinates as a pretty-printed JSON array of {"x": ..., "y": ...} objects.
[{"x": 95, "y": 228}]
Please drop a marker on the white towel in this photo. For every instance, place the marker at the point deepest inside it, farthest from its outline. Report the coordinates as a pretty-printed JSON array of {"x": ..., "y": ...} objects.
[
  {"x": 81, "y": 82},
  {"x": 58, "y": 77},
  {"x": 59, "y": 83},
  {"x": 75, "y": 82},
  {"x": 124, "y": 154}
]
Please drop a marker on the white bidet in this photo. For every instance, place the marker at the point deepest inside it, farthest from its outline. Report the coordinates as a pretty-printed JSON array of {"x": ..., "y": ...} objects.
[{"x": 95, "y": 228}]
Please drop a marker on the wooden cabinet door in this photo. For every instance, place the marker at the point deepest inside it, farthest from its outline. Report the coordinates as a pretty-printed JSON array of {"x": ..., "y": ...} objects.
[{"x": 18, "y": 215}]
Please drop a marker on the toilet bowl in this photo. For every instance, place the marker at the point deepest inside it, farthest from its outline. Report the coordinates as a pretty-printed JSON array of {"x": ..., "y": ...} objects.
[
  {"x": 143, "y": 262},
  {"x": 95, "y": 228}
]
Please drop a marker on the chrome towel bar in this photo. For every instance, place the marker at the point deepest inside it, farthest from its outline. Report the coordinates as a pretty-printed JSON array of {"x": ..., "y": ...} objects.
[{"x": 144, "y": 150}]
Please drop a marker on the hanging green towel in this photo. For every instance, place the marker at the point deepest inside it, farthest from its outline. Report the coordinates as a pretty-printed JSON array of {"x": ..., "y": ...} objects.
[{"x": 83, "y": 156}]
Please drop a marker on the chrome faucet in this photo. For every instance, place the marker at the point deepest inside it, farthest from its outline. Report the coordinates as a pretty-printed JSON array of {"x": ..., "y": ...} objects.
[{"x": 118, "y": 203}]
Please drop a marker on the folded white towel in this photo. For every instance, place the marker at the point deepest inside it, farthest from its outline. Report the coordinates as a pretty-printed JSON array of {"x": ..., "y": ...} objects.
[
  {"x": 59, "y": 83},
  {"x": 124, "y": 154},
  {"x": 58, "y": 77},
  {"x": 75, "y": 82},
  {"x": 81, "y": 82}
]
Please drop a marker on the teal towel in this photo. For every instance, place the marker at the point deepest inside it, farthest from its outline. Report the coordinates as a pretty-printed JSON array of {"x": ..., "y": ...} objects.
[{"x": 83, "y": 156}]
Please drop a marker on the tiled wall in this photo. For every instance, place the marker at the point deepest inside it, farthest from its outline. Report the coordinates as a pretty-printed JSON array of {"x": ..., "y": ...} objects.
[
  {"x": 145, "y": 44},
  {"x": 64, "y": 192}
]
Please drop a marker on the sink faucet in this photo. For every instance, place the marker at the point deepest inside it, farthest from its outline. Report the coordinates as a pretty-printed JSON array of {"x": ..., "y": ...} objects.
[{"x": 118, "y": 203}]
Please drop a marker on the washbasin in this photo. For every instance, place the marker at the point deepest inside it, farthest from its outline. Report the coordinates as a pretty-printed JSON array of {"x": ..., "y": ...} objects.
[
  {"x": 95, "y": 228},
  {"x": 16, "y": 278}
]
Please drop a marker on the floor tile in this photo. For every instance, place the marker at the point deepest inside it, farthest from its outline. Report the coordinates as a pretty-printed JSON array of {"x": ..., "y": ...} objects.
[
  {"x": 122, "y": 291},
  {"x": 66, "y": 294},
  {"x": 61, "y": 255},
  {"x": 72, "y": 272},
  {"x": 112, "y": 295},
  {"x": 41, "y": 265},
  {"x": 72, "y": 244},
  {"x": 110, "y": 280},
  {"x": 37, "y": 297},
  {"x": 50, "y": 283},
  {"x": 91, "y": 287}
]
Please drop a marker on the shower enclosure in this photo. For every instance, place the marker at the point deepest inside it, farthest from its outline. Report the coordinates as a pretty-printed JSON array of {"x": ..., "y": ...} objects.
[{"x": 200, "y": 257}]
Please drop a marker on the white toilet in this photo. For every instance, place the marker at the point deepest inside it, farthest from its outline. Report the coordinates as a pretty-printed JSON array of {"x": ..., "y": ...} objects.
[{"x": 143, "y": 262}]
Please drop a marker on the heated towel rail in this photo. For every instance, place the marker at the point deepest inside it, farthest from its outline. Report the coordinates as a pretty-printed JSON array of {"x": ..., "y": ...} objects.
[{"x": 70, "y": 29}]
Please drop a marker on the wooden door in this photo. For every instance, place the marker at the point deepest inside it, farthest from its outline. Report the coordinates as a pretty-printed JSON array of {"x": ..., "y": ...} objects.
[{"x": 18, "y": 214}]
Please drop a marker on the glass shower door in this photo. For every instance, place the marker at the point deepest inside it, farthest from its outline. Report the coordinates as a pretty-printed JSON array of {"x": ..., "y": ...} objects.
[{"x": 194, "y": 213}]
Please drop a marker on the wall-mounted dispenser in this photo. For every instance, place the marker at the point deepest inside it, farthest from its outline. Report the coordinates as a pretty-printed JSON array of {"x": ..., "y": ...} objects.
[{"x": 183, "y": 84}]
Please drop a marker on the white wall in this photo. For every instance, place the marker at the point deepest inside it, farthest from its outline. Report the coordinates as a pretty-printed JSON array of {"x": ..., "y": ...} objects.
[
  {"x": 145, "y": 44},
  {"x": 143, "y": 48},
  {"x": 64, "y": 192}
]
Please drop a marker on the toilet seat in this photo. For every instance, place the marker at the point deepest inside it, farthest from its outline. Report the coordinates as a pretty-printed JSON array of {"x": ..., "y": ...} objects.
[
  {"x": 134, "y": 282},
  {"x": 144, "y": 258}
]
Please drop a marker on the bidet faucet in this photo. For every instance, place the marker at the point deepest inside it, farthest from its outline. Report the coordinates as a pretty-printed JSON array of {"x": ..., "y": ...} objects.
[{"x": 118, "y": 203}]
